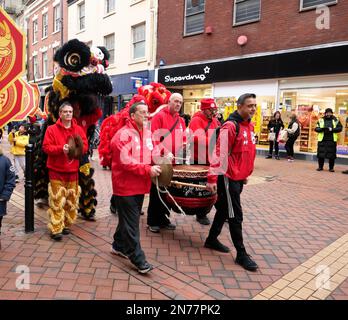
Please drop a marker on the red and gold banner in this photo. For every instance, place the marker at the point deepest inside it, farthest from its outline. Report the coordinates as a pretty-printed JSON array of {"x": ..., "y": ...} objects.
[
  {"x": 28, "y": 102},
  {"x": 12, "y": 55},
  {"x": 11, "y": 102}
]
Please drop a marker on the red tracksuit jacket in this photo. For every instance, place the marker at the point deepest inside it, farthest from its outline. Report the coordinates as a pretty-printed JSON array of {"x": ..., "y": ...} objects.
[
  {"x": 234, "y": 157},
  {"x": 131, "y": 159},
  {"x": 56, "y": 137}
]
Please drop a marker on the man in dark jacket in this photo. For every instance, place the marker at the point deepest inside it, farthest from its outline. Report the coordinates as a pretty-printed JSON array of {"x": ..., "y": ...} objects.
[
  {"x": 328, "y": 128},
  {"x": 7, "y": 183},
  {"x": 230, "y": 167}
]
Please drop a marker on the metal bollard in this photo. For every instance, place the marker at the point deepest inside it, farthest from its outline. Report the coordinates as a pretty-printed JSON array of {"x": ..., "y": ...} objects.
[{"x": 29, "y": 188}]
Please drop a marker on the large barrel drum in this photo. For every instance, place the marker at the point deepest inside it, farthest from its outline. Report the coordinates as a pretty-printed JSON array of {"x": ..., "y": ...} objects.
[{"x": 191, "y": 199}]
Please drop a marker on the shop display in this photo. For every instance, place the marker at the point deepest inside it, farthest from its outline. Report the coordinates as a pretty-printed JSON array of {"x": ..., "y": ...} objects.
[{"x": 263, "y": 139}]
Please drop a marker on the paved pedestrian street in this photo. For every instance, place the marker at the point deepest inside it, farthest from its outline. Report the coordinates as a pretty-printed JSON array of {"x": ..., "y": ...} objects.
[{"x": 295, "y": 224}]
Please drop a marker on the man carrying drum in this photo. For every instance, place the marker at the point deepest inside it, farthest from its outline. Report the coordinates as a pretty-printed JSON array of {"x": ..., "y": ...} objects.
[
  {"x": 203, "y": 121},
  {"x": 168, "y": 130},
  {"x": 231, "y": 165}
]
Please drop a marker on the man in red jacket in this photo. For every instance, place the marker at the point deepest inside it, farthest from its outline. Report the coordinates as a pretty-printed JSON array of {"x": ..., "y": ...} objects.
[
  {"x": 131, "y": 179},
  {"x": 63, "y": 188},
  {"x": 231, "y": 165},
  {"x": 203, "y": 121},
  {"x": 168, "y": 130}
]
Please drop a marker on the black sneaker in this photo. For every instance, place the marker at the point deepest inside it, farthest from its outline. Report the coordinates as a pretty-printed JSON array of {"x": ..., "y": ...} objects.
[
  {"x": 216, "y": 245},
  {"x": 345, "y": 172},
  {"x": 320, "y": 169},
  {"x": 277, "y": 157},
  {"x": 203, "y": 220},
  {"x": 66, "y": 231},
  {"x": 246, "y": 262},
  {"x": 169, "y": 226},
  {"x": 145, "y": 267},
  {"x": 268, "y": 157},
  {"x": 154, "y": 229},
  {"x": 332, "y": 170},
  {"x": 118, "y": 253},
  {"x": 57, "y": 236}
]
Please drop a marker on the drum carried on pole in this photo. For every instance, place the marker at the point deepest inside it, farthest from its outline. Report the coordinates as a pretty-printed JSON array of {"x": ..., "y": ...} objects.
[{"x": 188, "y": 188}]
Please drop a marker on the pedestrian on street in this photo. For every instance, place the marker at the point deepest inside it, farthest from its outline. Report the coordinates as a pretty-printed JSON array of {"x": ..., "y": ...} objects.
[
  {"x": 18, "y": 141},
  {"x": 232, "y": 164},
  {"x": 7, "y": 183},
  {"x": 131, "y": 180},
  {"x": 169, "y": 121},
  {"x": 293, "y": 133},
  {"x": 274, "y": 126},
  {"x": 328, "y": 128},
  {"x": 64, "y": 144},
  {"x": 203, "y": 121}
]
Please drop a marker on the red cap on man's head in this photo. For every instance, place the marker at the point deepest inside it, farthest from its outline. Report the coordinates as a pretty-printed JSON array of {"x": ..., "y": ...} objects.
[{"x": 208, "y": 103}]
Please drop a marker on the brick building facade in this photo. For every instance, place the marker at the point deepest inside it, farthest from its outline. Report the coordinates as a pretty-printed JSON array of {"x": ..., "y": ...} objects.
[
  {"x": 44, "y": 36},
  {"x": 292, "y": 54}
]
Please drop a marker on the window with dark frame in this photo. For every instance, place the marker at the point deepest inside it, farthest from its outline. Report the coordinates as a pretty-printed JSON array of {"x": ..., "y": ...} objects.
[
  {"x": 82, "y": 16},
  {"x": 312, "y": 4},
  {"x": 194, "y": 16},
  {"x": 246, "y": 11}
]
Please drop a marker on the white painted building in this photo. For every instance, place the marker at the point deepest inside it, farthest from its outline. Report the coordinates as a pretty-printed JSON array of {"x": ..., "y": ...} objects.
[{"x": 127, "y": 28}]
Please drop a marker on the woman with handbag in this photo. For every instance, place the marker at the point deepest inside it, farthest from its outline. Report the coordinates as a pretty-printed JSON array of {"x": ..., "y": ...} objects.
[{"x": 274, "y": 126}]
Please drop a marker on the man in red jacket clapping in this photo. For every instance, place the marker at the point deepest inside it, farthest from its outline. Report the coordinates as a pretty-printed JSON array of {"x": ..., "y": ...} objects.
[
  {"x": 231, "y": 165},
  {"x": 63, "y": 166},
  {"x": 131, "y": 170}
]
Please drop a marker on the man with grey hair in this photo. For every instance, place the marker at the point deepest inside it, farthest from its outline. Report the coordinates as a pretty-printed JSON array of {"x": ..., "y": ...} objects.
[
  {"x": 62, "y": 142},
  {"x": 131, "y": 172},
  {"x": 168, "y": 130}
]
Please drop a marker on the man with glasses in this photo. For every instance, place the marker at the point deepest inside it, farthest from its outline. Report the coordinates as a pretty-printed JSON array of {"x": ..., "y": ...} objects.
[
  {"x": 131, "y": 179},
  {"x": 202, "y": 123}
]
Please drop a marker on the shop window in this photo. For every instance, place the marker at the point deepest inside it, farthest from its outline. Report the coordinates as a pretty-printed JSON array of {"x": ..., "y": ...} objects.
[
  {"x": 246, "y": 11},
  {"x": 312, "y": 4},
  {"x": 194, "y": 16},
  {"x": 309, "y": 105}
]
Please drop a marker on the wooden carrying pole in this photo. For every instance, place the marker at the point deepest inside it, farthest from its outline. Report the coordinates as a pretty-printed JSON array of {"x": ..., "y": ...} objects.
[{"x": 185, "y": 184}]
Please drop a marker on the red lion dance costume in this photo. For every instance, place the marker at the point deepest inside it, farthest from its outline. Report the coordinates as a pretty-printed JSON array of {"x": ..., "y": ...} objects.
[{"x": 154, "y": 95}]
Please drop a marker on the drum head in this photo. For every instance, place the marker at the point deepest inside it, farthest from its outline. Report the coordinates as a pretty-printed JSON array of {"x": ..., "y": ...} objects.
[{"x": 166, "y": 175}]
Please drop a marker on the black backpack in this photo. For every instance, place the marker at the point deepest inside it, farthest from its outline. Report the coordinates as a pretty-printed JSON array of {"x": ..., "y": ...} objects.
[{"x": 215, "y": 136}]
